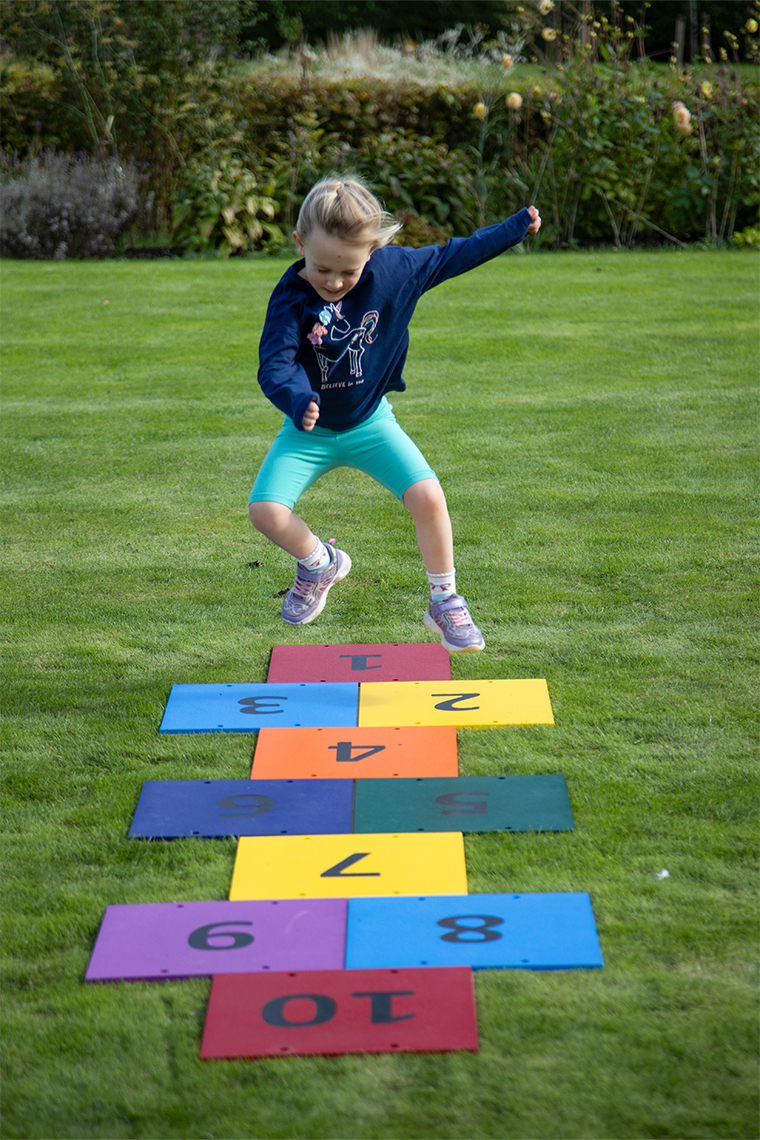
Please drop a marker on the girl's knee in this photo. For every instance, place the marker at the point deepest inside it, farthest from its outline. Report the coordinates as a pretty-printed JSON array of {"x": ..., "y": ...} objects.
[
  {"x": 425, "y": 499},
  {"x": 266, "y": 516}
]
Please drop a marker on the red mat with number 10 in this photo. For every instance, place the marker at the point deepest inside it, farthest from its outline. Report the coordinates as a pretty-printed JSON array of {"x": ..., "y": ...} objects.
[{"x": 356, "y": 1011}]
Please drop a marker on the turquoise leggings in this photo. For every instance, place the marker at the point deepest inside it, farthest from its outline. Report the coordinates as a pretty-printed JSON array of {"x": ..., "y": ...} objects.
[{"x": 379, "y": 447}]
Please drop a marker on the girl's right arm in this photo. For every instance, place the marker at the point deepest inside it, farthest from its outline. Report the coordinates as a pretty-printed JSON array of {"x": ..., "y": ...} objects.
[
  {"x": 283, "y": 379},
  {"x": 311, "y": 417}
]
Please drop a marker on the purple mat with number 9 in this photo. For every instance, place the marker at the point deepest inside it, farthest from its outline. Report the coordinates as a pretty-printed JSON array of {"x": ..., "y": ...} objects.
[{"x": 158, "y": 941}]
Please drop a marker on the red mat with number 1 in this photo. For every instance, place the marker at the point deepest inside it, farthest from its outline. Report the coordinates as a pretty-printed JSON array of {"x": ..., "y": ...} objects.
[{"x": 418, "y": 661}]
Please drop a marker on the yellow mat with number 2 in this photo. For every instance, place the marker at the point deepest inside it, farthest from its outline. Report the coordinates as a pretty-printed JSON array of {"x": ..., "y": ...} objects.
[{"x": 464, "y": 704}]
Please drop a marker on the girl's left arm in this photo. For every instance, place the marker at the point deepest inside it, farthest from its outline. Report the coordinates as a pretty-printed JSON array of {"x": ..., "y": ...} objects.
[{"x": 458, "y": 255}]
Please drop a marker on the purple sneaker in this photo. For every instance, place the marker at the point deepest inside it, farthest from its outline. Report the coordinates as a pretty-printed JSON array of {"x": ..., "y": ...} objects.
[
  {"x": 306, "y": 598},
  {"x": 452, "y": 620}
]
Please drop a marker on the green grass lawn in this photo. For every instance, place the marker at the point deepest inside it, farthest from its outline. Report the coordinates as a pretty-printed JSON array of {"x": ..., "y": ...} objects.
[{"x": 592, "y": 417}]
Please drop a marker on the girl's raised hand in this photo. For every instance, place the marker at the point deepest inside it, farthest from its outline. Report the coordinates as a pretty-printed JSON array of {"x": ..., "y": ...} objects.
[
  {"x": 311, "y": 416},
  {"x": 535, "y": 224}
]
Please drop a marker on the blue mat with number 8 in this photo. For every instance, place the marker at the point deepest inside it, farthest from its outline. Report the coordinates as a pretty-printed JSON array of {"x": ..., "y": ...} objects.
[{"x": 547, "y": 931}]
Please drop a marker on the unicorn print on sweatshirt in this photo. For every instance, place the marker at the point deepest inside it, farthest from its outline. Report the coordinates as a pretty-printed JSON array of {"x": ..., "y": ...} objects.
[{"x": 333, "y": 337}]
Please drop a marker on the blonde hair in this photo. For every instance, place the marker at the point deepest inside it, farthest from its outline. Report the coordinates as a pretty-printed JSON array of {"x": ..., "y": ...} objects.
[{"x": 347, "y": 209}]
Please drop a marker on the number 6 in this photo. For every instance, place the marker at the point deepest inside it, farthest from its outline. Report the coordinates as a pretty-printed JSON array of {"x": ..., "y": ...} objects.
[{"x": 199, "y": 939}]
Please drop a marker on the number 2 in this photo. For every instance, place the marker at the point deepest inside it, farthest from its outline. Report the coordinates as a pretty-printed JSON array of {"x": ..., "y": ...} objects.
[{"x": 454, "y": 698}]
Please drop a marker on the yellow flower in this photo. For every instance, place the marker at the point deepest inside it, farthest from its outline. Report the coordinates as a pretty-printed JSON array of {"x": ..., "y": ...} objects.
[
  {"x": 507, "y": 61},
  {"x": 514, "y": 101},
  {"x": 751, "y": 26},
  {"x": 479, "y": 111},
  {"x": 707, "y": 90},
  {"x": 549, "y": 35},
  {"x": 545, "y": 7},
  {"x": 682, "y": 118}
]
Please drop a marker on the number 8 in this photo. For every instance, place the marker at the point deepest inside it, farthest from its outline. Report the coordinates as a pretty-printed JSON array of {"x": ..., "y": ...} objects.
[{"x": 484, "y": 931}]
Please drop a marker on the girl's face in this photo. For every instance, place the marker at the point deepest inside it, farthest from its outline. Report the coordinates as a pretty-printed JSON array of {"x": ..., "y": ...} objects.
[{"x": 333, "y": 266}]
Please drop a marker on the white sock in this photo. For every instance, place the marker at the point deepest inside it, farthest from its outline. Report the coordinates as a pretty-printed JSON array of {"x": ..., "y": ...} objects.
[
  {"x": 318, "y": 559},
  {"x": 442, "y": 586}
]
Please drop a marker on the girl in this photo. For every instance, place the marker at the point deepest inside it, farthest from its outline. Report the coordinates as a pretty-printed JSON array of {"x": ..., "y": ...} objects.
[{"x": 334, "y": 343}]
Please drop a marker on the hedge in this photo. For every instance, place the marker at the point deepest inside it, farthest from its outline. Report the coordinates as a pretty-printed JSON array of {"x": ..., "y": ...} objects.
[{"x": 601, "y": 146}]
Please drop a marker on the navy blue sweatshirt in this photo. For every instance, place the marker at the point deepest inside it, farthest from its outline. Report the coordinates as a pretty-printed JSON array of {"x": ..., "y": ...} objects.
[{"x": 348, "y": 354}]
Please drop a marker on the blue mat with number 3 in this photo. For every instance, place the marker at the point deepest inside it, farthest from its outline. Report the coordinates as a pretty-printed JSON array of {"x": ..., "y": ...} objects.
[{"x": 247, "y": 708}]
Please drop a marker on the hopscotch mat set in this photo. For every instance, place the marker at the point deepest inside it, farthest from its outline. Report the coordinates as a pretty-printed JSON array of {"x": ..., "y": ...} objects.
[{"x": 349, "y": 927}]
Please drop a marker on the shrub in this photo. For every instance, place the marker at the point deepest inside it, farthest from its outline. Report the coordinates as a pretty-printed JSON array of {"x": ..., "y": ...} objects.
[
  {"x": 58, "y": 205},
  {"x": 421, "y": 175},
  {"x": 418, "y": 232},
  {"x": 30, "y": 98},
  {"x": 617, "y": 149},
  {"x": 218, "y": 208},
  {"x": 749, "y": 237},
  {"x": 353, "y": 110},
  {"x": 624, "y": 167}
]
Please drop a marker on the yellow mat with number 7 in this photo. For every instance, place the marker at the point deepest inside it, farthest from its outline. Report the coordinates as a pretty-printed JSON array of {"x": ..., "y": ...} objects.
[{"x": 349, "y": 866}]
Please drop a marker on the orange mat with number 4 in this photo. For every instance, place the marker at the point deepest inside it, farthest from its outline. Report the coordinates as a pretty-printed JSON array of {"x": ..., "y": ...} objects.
[{"x": 354, "y": 753}]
